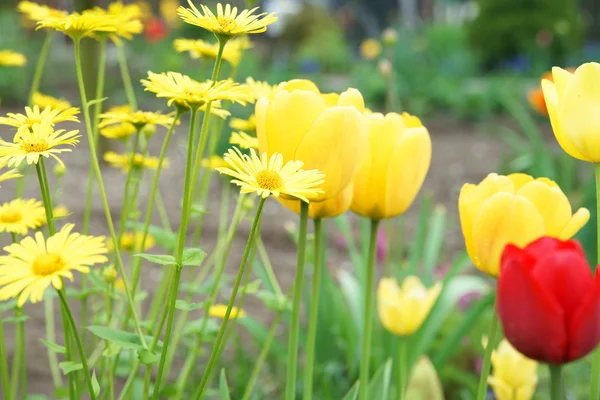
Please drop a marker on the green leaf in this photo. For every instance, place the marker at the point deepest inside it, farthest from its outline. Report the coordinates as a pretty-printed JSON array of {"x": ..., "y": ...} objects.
[
  {"x": 193, "y": 257},
  {"x": 9, "y": 305},
  {"x": 126, "y": 340},
  {"x": 148, "y": 357},
  {"x": 112, "y": 350},
  {"x": 56, "y": 348},
  {"x": 185, "y": 306},
  {"x": 223, "y": 389},
  {"x": 96, "y": 101},
  {"x": 158, "y": 259},
  {"x": 69, "y": 366},
  {"x": 95, "y": 384},
  {"x": 16, "y": 320},
  {"x": 352, "y": 393},
  {"x": 273, "y": 301},
  {"x": 253, "y": 287},
  {"x": 379, "y": 384},
  {"x": 434, "y": 242}
]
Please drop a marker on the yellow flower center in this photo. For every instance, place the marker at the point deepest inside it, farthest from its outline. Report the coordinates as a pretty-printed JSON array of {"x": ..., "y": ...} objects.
[
  {"x": 36, "y": 146},
  {"x": 47, "y": 264},
  {"x": 11, "y": 216},
  {"x": 269, "y": 180},
  {"x": 225, "y": 23}
]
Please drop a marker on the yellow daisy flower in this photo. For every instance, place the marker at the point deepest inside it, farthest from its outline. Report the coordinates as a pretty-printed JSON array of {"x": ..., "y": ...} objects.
[
  {"x": 227, "y": 22},
  {"x": 44, "y": 100},
  {"x": 202, "y": 49},
  {"x": 10, "y": 174},
  {"x": 124, "y": 18},
  {"x": 219, "y": 310},
  {"x": 132, "y": 241},
  {"x": 60, "y": 212},
  {"x": 138, "y": 119},
  {"x": 20, "y": 215},
  {"x": 35, "y": 116},
  {"x": 122, "y": 161},
  {"x": 77, "y": 25},
  {"x": 9, "y": 58},
  {"x": 39, "y": 140},
  {"x": 243, "y": 124},
  {"x": 36, "y": 12},
  {"x": 214, "y": 162},
  {"x": 118, "y": 131},
  {"x": 243, "y": 140},
  {"x": 35, "y": 263},
  {"x": 258, "y": 89},
  {"x": 187, "y": 92},
  {"x": 269, "y": 177}
]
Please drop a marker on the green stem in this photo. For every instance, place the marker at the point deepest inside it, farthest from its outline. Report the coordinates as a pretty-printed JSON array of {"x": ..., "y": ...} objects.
[
  {"x": 47, "y": 200},
  {"x": 314, "y": 311},
  {"x": 131, "y": 171},
  {"x": 264, "y": 256},
  {"x": 238, "y": 279},
  {"x": 264, "y": 352},
  {"x": 178, "y": 252},
  {"x": 110, "y": 372},
  {"x": 556, "y": 384},
  {"x": 23, "y": 356},
  {"x": 595, "y": 385},
  {"x": 137, "y": 263},
  {"x": 162, "y": 212},
  {"x": 126, "y": 77},
  {"x": 5, "y": 383},
  {"x": 18, "y": 354},
  {"x": 106, "y": 206},
  {"x": 402, "y": 366},
  {"x": 365, "y": 360},
  {"x": 290, "y": 386},
  {"x": 39, "y": 67},
  {"x": 82, "y": 357},
  {"x": 487, "y": 358}
]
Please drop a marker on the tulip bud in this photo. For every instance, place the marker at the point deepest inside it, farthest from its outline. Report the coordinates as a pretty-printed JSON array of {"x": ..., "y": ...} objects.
[
  {"x": 384, "y": 67},
  {"x": 370, "y": 49},
  {"x": 424, "y": 383},
  {"x": 109, "y": 274},
  {"x": 514, "y": 375}
]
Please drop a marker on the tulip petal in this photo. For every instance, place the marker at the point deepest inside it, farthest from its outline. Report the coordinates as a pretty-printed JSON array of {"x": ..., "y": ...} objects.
[
  {"x": 331, "y": 99},
  {"x": 519, "y": 179},
  {"x": 299, "y": 84},
  {"x": 503, "y": 218},
  {"x": 584, "y": 331},
  {"x": 260, "y": 112},
  {"x": 578, "y": 110},
  {"x": 288, "y": 118},
  {"x": 329, "y": 208},
  {"x": 336, "y": 144},
  {"x": 531, "y": 319},
  {"x": 561, "y": 78},
  {"x": 552, "y": 104},
  {"x": 577, "y": 221},
  {"x": 352, "y": 97},
  {"x": 551, "y": 203}
]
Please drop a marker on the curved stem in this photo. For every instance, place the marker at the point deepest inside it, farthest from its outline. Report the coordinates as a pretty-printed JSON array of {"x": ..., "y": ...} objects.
[
  {"x": 106, "y": 206},
  {"x": 39, "y": 67},
  {"x": 314, "y": 311},
  {"x": 595, "y": 385},
  {"x": 556, "y": 384},
  {"x": 236, "y": 285},
  {"x": 82, "y": 357},
  {"x": 131, "y": 171},
  {"x": 5, "y": 383},
  {"x": 290, "y": 383},
  {"x": 402, "y": 366},
  {"x": 365, "y": 361},
  {"x": 487, "y": 358},
  {"x": 18, "y": 354},
  {"x": 126, "y": 77}
]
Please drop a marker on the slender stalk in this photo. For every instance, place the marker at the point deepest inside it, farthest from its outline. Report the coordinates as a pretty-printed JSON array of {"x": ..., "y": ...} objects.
[
  {"x": 595, "y": 385},
  {"x": 314, "y": 311},
  {"x": 402, "y": 367},
  {"x": 368, "y": 318},
  {"x": 487, "y": 358},
  {"x": 162, "y": 212},
  {"x": 108, "y": 310},
  {"x": 106, "y": 206},
  {"x": 5, "y": 383},
  {"x": 178, "y": 252},
  {"x": 51, "y": 337},
  {"x": 126, "y": 77},
  {"x": 556, "y": 384},
  {"x": 264, "y": 352},
  {"x": 264, "y": 256},
  {"x": 82, "y": 357},
  {"x": 18, "y": 354},
  {"x": 238, "y": 279},
  {"x": 39, "y": 66},
  {"x": 290, "y": 383},
  {"x": 125, "y": 205},
  {"x": 23, "y": 356}
]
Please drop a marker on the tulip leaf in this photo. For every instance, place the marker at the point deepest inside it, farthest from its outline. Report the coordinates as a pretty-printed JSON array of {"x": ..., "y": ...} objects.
[
  {"x": 434, "y": 242},
  {"x": 379, "y": 384},
  {"x": 418, "y": 242},
  {"x": 223, "y": 387}
]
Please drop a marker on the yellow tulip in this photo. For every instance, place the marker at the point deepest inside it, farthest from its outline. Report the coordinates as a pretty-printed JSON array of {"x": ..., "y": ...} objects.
[
  {"x": 402, "y": 309},
  {"x": 514, "y": 375},
  {"x": 514, "y": 209},
  {"x": 394, "y": 169},
  {"x": 572, "y": 101},
  {"x": 329, "y": 208},
  {"x": 302, "y": 124}
]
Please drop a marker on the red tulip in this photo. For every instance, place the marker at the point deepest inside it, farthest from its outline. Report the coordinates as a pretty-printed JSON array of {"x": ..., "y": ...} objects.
[{"x": 549, "y": 300}]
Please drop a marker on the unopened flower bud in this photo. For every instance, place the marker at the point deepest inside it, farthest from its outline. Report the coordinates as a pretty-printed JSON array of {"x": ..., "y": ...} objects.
[
  {"x": 385, "y": 67},
  {"x": 59, "y": 170},
  {"x": 109, "y": 274},
  {"x": 389, "y": 37}
]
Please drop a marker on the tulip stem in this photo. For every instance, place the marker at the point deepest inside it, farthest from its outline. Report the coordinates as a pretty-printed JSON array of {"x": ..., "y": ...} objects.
[
  {"x": 556, "y": 385},
  {"x": 290, "y": 383},
  {"x": 365, "y": 360},
  {"x": 402, "y": 366},
  {"x": 595, "y": 386},
  {"x": 487, "y": 358}
]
